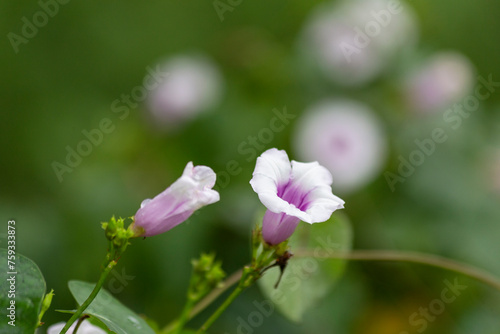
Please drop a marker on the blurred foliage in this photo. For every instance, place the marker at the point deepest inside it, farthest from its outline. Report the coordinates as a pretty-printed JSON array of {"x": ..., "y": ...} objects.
[{"x": 64, "y": 80}]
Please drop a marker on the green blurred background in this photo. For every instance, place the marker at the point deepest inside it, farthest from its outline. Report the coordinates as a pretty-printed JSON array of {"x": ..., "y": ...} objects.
[{"x": 64, "y": 80}]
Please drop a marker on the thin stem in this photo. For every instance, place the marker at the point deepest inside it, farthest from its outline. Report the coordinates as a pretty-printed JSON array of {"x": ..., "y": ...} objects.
[
  {"x": 208, "y": 299},
  {"x": 414, "y": 257},
  {"x": 93, "y": 294},
  {"x": 365, "y": 255},
  {"x": 184, "y": 317},
  {"x": 205, "y": 302},
  {"x": 263, "y": 257},
  {"x": 221, "y": 309},
  {"x": 79, "y": 323}
]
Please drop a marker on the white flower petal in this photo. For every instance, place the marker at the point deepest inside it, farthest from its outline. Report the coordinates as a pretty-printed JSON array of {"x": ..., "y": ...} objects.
[
  {"x": 274, "y": 164},
  {"x": 309, "y": 175},
  {"x": 85, "y": 328},
  {"x": 271, "y": 170},
  {"x": 324, "y": 203}
]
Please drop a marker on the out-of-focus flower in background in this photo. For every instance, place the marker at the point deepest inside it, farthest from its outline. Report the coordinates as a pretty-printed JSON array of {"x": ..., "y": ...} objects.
[
  {"x": 85, "y": 328},
  {"x": 178, "y": 202},
  {"x": 291, "y": 192},
  {"x": 441, "y": 80},
  {"x": 191, "y": 85},
  {"x": 356, "y": 40},
  {"x": 347, "y": 138}
]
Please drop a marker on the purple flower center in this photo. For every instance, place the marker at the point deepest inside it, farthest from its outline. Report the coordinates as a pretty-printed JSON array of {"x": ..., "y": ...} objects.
[
  {"x": 340, "y": 145},
  {"x": 294, "y": 195}
]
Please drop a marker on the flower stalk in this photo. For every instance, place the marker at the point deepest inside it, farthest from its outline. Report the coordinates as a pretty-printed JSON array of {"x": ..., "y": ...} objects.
[
  {"x": 118, "y": 237},
  {"x": 92, "y": 296},
  {"x": 263, "y": 255},
  {"x": 207, "y": 275}
]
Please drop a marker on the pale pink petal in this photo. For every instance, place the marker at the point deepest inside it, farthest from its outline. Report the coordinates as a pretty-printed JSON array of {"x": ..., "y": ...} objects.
[{"x": 177, "y": 203}]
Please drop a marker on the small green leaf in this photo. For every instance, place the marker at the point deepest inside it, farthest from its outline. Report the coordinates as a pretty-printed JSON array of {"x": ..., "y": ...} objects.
[
  {"x": 307, "y": 280},
  {"x": 28, "y": 286},
  {"x": 109, "y": 310}
]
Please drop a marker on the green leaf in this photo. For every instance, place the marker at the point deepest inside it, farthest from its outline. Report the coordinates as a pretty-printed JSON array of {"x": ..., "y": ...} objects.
[
  {"x": 98, "y": 323},
  {"x": 29, "y": 291},
  {"x": 307, "y": 280},
  {"x": 109, "y": 310}
]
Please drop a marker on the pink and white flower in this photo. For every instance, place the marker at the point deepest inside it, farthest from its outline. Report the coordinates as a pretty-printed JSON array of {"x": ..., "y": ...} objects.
[
  {"x": 177, "y": 203},
  {"x": 347, "y": 138},
  {"x": 192, "y": 85},
  {"x": 440, "y": 81},
  {"x": 85, "y": 328},
  {"x": 291, "y": 192},
  {"x": 354, "y": 41}
]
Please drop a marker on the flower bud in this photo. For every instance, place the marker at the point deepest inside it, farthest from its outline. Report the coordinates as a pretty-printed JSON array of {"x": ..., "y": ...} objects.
[{"x": 177, "y": 203}]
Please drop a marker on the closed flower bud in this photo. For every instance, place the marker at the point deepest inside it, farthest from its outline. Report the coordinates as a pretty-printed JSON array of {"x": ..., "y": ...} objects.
[{"x": 177, "y": 203}]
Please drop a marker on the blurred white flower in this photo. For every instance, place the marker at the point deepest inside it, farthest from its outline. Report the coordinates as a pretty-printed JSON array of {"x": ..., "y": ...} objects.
[
  {"x": 355, "y": 40},
  {"x": 443, "y": 79},
  {"x": 347, "y": 138},
  {"x": 85, "y": 328},
  {"x": 191, "y": 85}
]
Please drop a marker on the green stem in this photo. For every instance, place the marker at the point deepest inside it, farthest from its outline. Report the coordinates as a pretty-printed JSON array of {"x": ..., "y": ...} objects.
[
  {"x": 372, "y": 255},
  {"x": 97, "y": 288},
  {"x": 208, "y": 299},
  {"x": 414, "y": 257},
  {"x": 184, "y": 317},
  {"x": 221, "y": 309},
  {"x": 249, "y": 276}
]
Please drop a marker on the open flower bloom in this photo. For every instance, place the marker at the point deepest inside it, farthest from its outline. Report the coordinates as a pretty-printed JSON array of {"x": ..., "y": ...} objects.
[
  {"x": 85, "y": 328},
  {"x": 292, "y": 192},
  {"x": 177, "y": 203}
]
